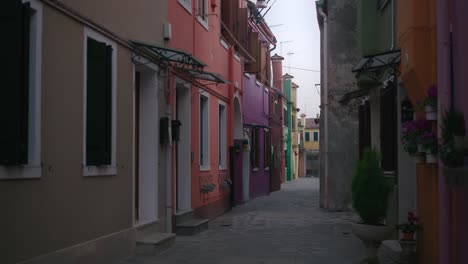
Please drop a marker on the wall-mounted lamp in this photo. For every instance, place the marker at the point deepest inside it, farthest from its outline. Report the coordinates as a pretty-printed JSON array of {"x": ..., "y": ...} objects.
[{"x": 261, "y": 4}]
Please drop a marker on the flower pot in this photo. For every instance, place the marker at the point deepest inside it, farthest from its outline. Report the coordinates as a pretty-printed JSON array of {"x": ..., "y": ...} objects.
[
  {"x": 431, "y": 112},
  {"x": 431, "y": 158},
  {"x": 421, "y": 148},
  {"x": 459, "y": 142},
  {"x": 419, "y": 159},
  {"x": 408, "y": 236},
  {"x": 372, "y": 236}
]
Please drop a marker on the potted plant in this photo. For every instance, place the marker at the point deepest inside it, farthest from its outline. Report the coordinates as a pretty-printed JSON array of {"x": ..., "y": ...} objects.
[
  {"x": 453, "y": 133},
  {"x": 430, "y": 103},
  {"x": 430, "y": 145},
  {"x": 412, "y": 132},
  {"x": 410, "y": 227},
  {"x": 370, "y": 196}
]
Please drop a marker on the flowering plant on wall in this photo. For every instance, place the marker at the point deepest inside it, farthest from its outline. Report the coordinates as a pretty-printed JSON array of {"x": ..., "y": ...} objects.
[
  {"x": 412, "y": 132},
  {"x": 410, "y": 227},
  {"x": 431, "y": 99},
  {"x": 429, "y": 142}
]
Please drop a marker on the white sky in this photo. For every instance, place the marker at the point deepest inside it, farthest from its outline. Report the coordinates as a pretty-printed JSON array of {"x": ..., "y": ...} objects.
[{"x": 299, "y": 25}]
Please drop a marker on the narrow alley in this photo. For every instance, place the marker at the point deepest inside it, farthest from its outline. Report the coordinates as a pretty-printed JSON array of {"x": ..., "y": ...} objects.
[{"x": 285, "y": 227}]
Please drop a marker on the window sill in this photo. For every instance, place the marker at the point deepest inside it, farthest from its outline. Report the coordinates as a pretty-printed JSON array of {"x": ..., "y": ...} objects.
[
  {"x": 267, "y": 169},
  {"x": 20, "y": 172},
  {"x": 205, "y": 168},
  {"x": 107, "y": 170},
  {"x": 222, "y": 168},
  {"x": 255, "y": 169},
  {"x": 202, "y": 22},
  {"x": 187, "y": 7}
]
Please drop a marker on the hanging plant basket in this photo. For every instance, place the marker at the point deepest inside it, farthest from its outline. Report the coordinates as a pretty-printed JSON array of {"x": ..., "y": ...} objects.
[
  {"x": 419, "y": 159},
  {"x": 431, "y": 158},
  {"x": 431, "y": 112}
]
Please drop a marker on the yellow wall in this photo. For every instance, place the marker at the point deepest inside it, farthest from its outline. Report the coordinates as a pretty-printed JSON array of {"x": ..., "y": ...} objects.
[{"x": 311, "y": 145}]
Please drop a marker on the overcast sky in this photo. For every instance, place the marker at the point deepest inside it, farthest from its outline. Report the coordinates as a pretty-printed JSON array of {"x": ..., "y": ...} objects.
[{"x": 296, "y": 21}]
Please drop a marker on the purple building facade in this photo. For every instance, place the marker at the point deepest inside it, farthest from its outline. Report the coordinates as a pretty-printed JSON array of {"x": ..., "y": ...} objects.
[
  {"x": 453, "y": 213},
  {"x": 256, "y": 127}
]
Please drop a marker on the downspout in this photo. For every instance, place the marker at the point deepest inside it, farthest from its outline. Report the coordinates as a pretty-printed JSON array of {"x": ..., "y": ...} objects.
[
  {"x": 325, "y": 103},
  {"x": 231, "y": 94},
  {"x": 393, "y": 26}
]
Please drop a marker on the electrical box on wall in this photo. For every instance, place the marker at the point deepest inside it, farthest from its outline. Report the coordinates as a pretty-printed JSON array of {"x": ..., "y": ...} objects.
[
  {"x": 167, "y": 31},
  {"x": 176, "y": 124},
  {"x": 164, "y": 130}
]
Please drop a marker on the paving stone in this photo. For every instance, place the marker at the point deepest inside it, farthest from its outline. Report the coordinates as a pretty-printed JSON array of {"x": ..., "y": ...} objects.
[{"x": 286, "y": 227}]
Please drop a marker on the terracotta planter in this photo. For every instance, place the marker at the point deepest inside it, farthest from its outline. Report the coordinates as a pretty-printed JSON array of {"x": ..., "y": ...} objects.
[
  {"x": 431, "y": 112},
  {"x": 408, "y": 236},
  {"x": 431, "y": 158}
]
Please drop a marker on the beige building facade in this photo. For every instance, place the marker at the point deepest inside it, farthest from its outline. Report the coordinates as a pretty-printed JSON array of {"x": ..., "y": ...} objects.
[{"x": 75, "y": 197}]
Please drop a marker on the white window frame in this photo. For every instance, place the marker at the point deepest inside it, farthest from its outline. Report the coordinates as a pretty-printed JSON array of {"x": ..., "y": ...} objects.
[
  {"x": 206, "y": 137},
  {"x": 222, "y": 136},
  {"x": 33, "y": 169},
  {"x": 186, "y": 4},
  {"x": 203, "y": 17},
  {"x": 107, "y": 170}
]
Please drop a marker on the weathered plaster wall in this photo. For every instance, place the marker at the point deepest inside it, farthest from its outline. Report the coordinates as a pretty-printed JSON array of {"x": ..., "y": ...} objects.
[{"x": 343, "y": 55}]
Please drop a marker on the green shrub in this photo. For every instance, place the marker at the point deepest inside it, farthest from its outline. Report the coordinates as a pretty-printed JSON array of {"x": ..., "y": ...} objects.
[{"x": 369, "y": 189}]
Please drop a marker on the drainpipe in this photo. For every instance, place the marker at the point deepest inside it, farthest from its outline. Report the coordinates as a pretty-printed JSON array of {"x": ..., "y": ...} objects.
[
  {"x": 168, "y": 176},
  {"x": 325, "y": 103}
]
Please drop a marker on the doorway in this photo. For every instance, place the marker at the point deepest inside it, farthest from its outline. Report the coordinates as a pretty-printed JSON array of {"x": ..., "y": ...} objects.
[
  {"x": 146, "y": 146},
  {"x": 182, "y": 147}
]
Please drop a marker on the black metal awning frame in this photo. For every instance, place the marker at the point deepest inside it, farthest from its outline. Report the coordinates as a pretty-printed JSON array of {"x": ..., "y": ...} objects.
[
  {"x": 375, "y": 67},
  {"x": 178, "y": 58}
]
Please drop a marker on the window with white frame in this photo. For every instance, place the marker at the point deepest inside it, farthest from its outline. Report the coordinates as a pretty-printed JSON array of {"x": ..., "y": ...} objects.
[
  {"x": 99, "y": 133},
  {"x": 202, "y": 12},
  {"x": 20, "y": 109},
  {"x": 222, "y": 135},
  {"x": 187, "y": 4},
  {"x": 204, "y": 132}
]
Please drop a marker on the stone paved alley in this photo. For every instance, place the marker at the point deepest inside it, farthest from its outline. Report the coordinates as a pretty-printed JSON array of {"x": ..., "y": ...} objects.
[{"x": 286, "y": 227}]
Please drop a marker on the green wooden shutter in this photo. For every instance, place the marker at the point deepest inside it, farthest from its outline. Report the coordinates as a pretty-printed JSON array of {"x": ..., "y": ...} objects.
[
  {"x": 14, "y": 94},
  {"x": 99, "y": 104}
]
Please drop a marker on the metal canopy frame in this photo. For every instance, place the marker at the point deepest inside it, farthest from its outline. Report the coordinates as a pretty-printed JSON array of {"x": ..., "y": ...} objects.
[
  {"x": 378, "y": 61},
  {"x": 376, "y": 66},
  {"x": 205, "y": 75},
  {"x": 179, "y": 58}
]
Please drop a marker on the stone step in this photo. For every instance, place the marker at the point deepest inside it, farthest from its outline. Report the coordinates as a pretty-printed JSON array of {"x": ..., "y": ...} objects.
[
  {"x": 192, "y": 227},
  {"x": 183, "y": 216},
  {"x": 152, "y": 244}
]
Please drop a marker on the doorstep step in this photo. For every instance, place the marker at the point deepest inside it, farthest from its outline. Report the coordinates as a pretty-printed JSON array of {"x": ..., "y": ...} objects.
[
  {"x": 192, "y": 227},
  {"x": 153, "y": 244},
  {"x": 183, "y": 217}
]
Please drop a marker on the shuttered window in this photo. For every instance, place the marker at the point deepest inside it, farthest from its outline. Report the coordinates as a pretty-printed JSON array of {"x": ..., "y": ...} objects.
[
  {"x": 14, "y": 95},
  {"x": 388, "y": 129},
  {"x": 98, "y": 103},
  {"x": 364, "y": 127}
]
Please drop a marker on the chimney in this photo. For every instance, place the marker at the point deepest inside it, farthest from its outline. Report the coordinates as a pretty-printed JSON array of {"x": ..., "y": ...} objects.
[{"x": 277, "y": 64}]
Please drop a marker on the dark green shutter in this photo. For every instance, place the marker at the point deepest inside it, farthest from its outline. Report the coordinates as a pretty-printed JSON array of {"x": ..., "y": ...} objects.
[
  {"x": 99, "y": 104},
  {"x": 14, "y": 93}
]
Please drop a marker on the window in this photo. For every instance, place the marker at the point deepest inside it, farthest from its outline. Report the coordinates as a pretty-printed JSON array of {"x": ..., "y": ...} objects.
[
  {"x": 381, "y": 3},
  {"x": 187, "y": 4},
  {"x": 316, "y": 135},
  {"x": 20, "y": 94},
  {"x": 222, "y": 136},
  {"x": 267, "y": 144},
  {"x": 204, "y": 133},
  {"x": 293, "y": 124},
  {"x": 285, "y": 117},
  {"x": 202, "y": 14},
  {"x": 100, "y": 105},
  {"x": 307, "y": 136},
  {"x": 255, "y": 148}
]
